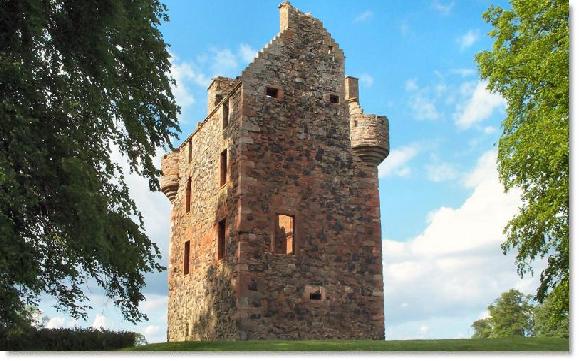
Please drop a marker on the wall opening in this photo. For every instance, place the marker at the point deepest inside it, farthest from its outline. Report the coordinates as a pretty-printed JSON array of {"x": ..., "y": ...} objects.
[
  {"x": 221, "y": 239},
  {"x": 284, "y": 234},
  {"x": 272, "y": 92},
  {"x": 190, "y": 150},
  {"x": 186, "y": 253},
  {"x": 223, "y": 168},
  {"x": 186, "y": 329},
  {"x": 225, "y": 114},
  {"x": 188, "y": 196},
  {"x": 218, "y": 98},
  {"x": 334, "y": 98},
  {"x": 316, "y": 296}
]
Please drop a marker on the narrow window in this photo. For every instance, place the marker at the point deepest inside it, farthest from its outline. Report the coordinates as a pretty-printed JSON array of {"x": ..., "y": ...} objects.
[
  {"x": 188, "y": 196},
  {"x": 223, "y": 175},
  {"x": 190, "y": 150},
  {"x": 316, "y": 296},
  {"x": 218, "y": 98},
  {"x": 272, "y": 92},
  {"x": 225, "y": 114},
  {"x": 221, "y": 239},
  {"x": 186, "y": 252},
  {"x": 334, "y": 98},
  {"x": 284, "y": 234},
  {"x": 186, "y": 329}
]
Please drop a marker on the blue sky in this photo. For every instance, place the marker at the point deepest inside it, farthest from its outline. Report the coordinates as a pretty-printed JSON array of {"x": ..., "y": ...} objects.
[{"x": 442, "y": 207}]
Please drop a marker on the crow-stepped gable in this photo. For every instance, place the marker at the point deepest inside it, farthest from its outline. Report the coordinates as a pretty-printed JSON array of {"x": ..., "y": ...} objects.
[{"x": 275, "y": 222}]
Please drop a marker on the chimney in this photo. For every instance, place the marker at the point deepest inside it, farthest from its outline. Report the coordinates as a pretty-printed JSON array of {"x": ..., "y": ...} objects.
[
  {"x": 351, "y": 90},
  {"x": 287, "y": 16}
]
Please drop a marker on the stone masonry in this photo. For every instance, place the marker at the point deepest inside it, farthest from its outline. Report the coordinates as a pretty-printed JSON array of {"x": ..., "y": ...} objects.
[{"x": 275, "y": 222}]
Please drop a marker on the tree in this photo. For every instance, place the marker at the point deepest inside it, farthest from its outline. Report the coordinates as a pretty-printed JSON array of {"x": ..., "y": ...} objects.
[
  {"x": 548, "y": 321},
  {"x": 529, "y": 66},
  {"x": 510, "y": 315},
  {"x": 482, "y": 328},
  {"x": 78, "y": 79}
]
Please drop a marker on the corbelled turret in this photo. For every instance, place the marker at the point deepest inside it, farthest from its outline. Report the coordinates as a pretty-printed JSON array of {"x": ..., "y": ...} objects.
[
  {"x": 368, "y": 132},
  {"x": 170, "y": 180}
]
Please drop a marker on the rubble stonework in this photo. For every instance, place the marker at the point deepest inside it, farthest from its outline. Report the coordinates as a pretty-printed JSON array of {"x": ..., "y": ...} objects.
[{"x": 302, "y": 255}]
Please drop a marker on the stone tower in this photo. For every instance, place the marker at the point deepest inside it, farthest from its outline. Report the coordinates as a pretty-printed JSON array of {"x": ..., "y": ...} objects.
[{"x": 275, "y": 224}]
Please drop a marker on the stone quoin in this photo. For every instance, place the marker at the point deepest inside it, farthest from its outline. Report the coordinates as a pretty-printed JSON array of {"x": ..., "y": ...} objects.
[{"x": 275, "y": 221}]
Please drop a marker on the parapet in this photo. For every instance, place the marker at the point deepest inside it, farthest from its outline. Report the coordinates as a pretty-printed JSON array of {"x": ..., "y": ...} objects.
[
  {"x": 368, "y": 132},
  {"x": 170, "y": 178}
]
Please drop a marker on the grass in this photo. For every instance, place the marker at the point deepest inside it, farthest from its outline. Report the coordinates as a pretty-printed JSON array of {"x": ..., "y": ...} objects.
[{"x": 501, "y": 344}]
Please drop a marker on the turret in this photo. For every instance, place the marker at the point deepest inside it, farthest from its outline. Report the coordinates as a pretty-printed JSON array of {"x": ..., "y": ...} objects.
[
  {"x": 170, "y": 178},
  {"x": 220, "y": 86},
  {"x": 368, "y": 132}
]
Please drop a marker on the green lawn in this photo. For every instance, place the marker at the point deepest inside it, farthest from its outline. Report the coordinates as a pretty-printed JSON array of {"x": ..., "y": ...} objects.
[{"x": 503, "y": 344}]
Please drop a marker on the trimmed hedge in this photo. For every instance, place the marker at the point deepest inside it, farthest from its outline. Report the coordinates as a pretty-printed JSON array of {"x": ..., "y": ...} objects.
[{"x": 66, "y": 339}]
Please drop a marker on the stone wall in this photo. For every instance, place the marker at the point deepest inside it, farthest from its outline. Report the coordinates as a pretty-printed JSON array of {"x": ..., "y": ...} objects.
[{"x": 290, "y": 164}]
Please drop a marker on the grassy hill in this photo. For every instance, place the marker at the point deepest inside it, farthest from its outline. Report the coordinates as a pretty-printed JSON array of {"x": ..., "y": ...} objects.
[{"x": 503, "y": 344}]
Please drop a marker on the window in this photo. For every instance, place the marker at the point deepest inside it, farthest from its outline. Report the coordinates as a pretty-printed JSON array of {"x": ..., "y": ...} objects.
[
  {"x": 272, "y": 92},
  {"x": 223, "y": 175},
  {"x": 225, "y": 114},
  {"x": 218, "y": 98},
  {"x": 284, "y": 235},
  {"x": 186, "y": 329},
  {"x": 221, "y": 239},
  {"x": 334, "y": 98},
  {"x": 188, "y": 196},
  {"x": 190, "y": 150},
  {"x": 186, "y": 253},
  {"x": 316, "y": 296}
]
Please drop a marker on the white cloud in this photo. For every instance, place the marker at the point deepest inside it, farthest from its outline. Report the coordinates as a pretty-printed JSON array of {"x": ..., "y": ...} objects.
[
  {"x": 441, "y": 171},
  {"x": 411, "y": 85},
  {"x": 366, "y": 79},
  {"x": 364, "y": 16},
  {"x": 464, "y": 72},
  {"x": 100, "y": 321},
  {"x": 424, "y": 108},
  {"x": 154, "y": 333},
  {"x": 478, "y": 107},
  {"x": 489, "y": 130},
  {"x": 454, "y": 268},
  {"x": 247, "y": 53},
  {"x": 56, "y": 322},
  {"x": 441, "y": 7},
  {"x": 224, "y": 62},
  {"x": 467, "y": 39},
  {"x": 396, "y": 163},
  {"x": 154, "y": 302}
]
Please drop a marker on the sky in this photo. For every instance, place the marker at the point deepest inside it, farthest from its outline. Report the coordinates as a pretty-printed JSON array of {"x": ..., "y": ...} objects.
[{"x": 442, "y": 207}]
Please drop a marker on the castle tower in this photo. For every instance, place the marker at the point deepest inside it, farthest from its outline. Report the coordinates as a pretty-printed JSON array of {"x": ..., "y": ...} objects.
[{"x": 275, "y": 222}]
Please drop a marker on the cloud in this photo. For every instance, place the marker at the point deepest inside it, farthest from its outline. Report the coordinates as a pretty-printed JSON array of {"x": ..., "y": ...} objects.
[
  {"x": 467, "y": 39},
  {"x": 247, "y": 53},
  {"x": 224, "y": 62},
  {"x": 411, "y": 85},
  {"x": 464, "y": 72},
  {"x": 56, "y": 322},
  {"x": 364, "y": 16},
  {"x": 154, "y": 333},
  {"x": 366, "y": 79},
  {"x": 478, "y": 107},
  {"x": 396, "y": 163},
  {"x": 441, "y": 171},
  {"x": 441, "y": 7},
  {"x": 100, "y": 321},
  {"x": 424, "y": 108},
  {"x": 452, "y": 270}
]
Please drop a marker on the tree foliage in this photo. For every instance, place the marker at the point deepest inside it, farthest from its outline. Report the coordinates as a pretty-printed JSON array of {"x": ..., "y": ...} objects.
[
  {"x": 549, "y": 321},
  {"x": 78, "y": 79},
  {"x": 529, "y": 66},
  {"x": 510, "y": 315}
]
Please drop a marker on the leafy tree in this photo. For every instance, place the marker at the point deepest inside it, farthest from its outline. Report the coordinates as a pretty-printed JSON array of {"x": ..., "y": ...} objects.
[
  {"x": 482, "y": 328},
  {"x": 78, "y": 79},
  {"x": 529, "y": 66},
  {"x": 548, "y": 322},
  {"x": 510, "y": 315}
]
